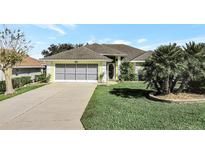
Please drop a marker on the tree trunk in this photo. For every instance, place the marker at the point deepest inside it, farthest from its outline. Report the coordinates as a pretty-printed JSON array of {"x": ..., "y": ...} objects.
[
  {"x": 8, "y": 80},
  {"x": 173, "y": 84},
  {"x": 167, "y": 87},
  {"x": 167, "y": 82}
]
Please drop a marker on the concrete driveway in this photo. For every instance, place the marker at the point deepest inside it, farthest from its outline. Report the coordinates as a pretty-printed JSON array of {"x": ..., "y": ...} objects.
[{"x": 54, "y": 106}]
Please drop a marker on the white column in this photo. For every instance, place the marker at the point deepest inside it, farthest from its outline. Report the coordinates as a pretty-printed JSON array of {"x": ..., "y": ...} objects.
[
  {"x": 104, "y": 71},
  {"x": 48, "y": 68}
]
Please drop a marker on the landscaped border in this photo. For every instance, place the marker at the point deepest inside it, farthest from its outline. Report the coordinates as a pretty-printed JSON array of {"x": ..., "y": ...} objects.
[
  {"x": 155, "y": 98},
  {"x": 22, "y": 90}
]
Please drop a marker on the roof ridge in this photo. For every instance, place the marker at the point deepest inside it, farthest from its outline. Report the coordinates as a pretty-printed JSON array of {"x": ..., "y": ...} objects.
[
  {"x": 104, "y": 47},
  {"x": 137, "y": 56},
  {"x": 112, "y": 48},
  {"x": 95, "y": 52},
  {"x": 78, "y": 53}
]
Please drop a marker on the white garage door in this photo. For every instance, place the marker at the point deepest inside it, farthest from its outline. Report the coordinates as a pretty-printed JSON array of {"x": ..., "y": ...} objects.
[{"x": 79, "y": 72}]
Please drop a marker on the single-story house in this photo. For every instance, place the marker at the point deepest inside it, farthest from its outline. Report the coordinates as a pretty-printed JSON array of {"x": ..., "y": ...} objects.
[
  {"x": 93, "y": 63},
  {"x": 28, "y": 67}
]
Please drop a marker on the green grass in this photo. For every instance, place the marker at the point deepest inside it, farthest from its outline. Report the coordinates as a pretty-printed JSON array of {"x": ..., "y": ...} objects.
[
  {"x": 125, "y": 106},
  {"x": 20, "y": 91}
]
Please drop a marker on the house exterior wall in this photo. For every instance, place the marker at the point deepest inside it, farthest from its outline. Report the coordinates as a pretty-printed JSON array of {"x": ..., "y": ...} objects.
[
  {"x": 138, "y": 69},
  {"x": 101, "y": 68},
  {"x": 1, "y": 76}
]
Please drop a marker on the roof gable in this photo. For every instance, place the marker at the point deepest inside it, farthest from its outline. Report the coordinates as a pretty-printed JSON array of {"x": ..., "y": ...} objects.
[
  {"x": 105, "y": 50},
  {"x": 143, "y": 57},
  {"x": 29, "y": 62},
  {"x": 82, "y": 53},
  {"x": 130, "y": 51}
]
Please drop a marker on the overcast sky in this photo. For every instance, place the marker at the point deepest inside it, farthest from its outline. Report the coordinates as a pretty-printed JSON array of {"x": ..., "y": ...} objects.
[{"x": 146, "y": 37}]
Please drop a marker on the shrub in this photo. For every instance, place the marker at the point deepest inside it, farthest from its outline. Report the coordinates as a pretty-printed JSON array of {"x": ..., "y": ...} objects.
[
  {"x": 127, "y": 72},
  {"x": 101, "y": 77},
  {"x": 197, "y": 86},
  {"x": 2, "y": 86},
  {"x": 42, "y": 78},
  {"x": 17, "y": 82},
  {"x": 21, "y": 81}
]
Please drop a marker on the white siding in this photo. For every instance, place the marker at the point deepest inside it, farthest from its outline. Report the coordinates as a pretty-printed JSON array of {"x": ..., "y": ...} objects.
[
  {"x": 48, "y": 69},
  {"x": 119, "y": 63}
]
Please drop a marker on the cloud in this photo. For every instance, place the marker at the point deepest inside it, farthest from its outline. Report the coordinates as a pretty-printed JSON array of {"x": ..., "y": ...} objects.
[
  {"x": 70, "y": 26},
  {"x": 197, "y": 39},
  {"x": 55, "y": 28},
  {"x": 141, "y": 40},
  {"x": 36, "y": 55},
  {"x": 121, "y": 42},
  {"x": 91, "y": 40},
  {"x": 107, "y": 41}
]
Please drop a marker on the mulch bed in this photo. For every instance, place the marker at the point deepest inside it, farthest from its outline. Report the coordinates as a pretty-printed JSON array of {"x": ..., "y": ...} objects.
[
  {"x": 179, "y": 98},
  {"x": 182, "y": 96}
]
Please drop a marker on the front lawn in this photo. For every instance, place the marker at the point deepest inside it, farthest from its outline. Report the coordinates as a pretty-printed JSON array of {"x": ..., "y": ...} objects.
[
  {"x": 125, "y": 106},
  {"x": 21, "y": 90}
]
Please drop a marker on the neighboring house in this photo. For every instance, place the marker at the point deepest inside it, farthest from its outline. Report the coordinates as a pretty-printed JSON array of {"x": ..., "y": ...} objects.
[
  {"x": 28, "y": 67},
  {"x": 93, "y": 63}
]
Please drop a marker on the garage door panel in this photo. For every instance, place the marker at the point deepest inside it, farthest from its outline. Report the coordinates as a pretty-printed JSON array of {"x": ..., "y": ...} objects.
[
  {"x": 81, "y": 69},
  {"x": 60, "y": 68},
  {"x": 70, "y": 68},
  {"x": 60, "y": 76},
  {"x": 81, "y": 77},
  {"x": 92, "y": 77},
  {"x": 69, "y": 76},
  {"x": 92, "y": 69},
  {"x": 92, "y": 72}
]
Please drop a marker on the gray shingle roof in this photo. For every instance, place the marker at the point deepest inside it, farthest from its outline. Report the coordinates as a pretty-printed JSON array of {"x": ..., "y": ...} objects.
[
  {"x": 130, "y": 51},
  {"x": 143, "y": 57},
  {"x": 82, "y": 53},
  {"x": 105, "y": 50}
]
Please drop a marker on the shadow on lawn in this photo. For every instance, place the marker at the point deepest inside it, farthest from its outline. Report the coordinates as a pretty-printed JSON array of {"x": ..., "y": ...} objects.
[{"x": 127, "y": 92}]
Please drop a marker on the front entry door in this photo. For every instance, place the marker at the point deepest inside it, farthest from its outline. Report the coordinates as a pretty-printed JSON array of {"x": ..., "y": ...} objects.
[{"x": 111, "y": 71}]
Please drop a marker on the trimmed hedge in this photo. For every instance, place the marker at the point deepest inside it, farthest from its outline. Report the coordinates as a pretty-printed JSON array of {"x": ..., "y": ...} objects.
[
  {"x": 17, "y": 82},
  {"x": 40, "y": 78}
]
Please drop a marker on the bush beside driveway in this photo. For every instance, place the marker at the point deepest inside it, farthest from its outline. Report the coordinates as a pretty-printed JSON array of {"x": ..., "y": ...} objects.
[{"x": 21, "y": 90}]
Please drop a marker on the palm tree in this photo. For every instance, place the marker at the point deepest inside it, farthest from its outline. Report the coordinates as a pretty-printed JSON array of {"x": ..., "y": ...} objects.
[
  {"x": 194, "y": 55},
  {"x": 162, "y": 69}
]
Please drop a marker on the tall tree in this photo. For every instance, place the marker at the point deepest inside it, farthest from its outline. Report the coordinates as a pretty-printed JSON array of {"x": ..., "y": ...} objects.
[
  {"x": 54, "y": 49},
  {"x": 13, "y": 47}
]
